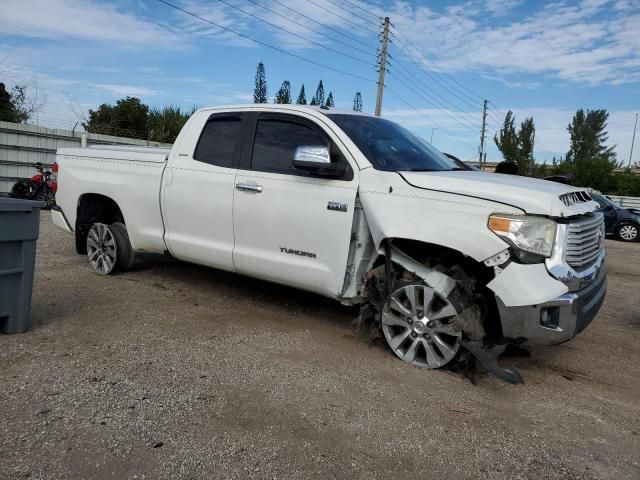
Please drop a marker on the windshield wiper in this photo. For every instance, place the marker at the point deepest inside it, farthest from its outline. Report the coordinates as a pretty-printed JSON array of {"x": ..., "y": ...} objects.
[{"x": 422, "y": 170}]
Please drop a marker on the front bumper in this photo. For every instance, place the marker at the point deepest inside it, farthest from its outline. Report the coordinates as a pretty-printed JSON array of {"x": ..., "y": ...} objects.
[{"x": 555, "y": 321}]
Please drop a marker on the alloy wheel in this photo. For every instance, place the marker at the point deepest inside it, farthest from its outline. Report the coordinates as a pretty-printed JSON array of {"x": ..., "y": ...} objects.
[
  {"x": 417, "y": 324},
  {"x": 102, "y": 249},
  {"x": 628, "y": 232}
]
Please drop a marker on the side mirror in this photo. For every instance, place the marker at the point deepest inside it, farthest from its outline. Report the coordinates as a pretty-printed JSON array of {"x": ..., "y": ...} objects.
[{"x": 316, "y": 160}]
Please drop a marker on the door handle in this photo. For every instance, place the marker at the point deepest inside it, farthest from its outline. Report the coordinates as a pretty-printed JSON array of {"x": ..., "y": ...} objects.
[{"x": 249, "y": 187}]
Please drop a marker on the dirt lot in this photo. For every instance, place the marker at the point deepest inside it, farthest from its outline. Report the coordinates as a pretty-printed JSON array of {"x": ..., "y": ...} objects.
[{"x": 178, "y": 371}]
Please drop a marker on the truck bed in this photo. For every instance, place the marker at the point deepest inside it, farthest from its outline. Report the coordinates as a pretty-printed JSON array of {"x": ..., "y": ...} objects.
[{"x": 129, "y": 175}]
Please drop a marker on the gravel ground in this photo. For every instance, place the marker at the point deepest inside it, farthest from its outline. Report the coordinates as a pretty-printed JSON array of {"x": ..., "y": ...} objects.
[{"x": 178, "y": 371}]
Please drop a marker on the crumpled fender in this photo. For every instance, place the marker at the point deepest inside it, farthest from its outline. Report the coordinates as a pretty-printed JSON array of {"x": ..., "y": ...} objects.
[
  {"x": 394, "y": 209},
  {"x": 518, "y": 285}
]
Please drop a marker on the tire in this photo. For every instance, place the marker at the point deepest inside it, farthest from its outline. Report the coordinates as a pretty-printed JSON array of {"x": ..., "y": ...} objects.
[
  {"x": 108, "y": 248},
  {"x": 127, "y": 256},
  {"x": 421, "y": 326},
  {"x": 628, "y": 232}
]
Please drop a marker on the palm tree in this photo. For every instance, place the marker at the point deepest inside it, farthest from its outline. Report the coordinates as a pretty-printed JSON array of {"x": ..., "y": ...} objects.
[{"x": 165, "y": 124}]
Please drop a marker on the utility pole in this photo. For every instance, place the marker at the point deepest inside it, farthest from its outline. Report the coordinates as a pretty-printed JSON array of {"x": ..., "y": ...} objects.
[
  {"x": 483, "y": 155},
  {"x": 382, "y": 66},
  {"x": 633, "y": 140},
  {"x": 432, "y": 129}
]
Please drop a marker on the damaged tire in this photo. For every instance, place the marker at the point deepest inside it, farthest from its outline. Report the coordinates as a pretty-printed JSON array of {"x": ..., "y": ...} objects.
[{"x": 419, "y": 325}]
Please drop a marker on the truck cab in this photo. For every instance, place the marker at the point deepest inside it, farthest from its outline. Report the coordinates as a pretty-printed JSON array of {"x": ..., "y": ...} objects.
[{"x": 356, "y": 208}]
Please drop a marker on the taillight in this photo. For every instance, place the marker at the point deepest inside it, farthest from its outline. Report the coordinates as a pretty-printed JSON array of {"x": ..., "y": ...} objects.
[{"x": 54, "y": 173}]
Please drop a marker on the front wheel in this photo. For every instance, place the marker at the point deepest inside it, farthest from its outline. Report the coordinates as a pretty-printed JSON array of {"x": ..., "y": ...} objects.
[
  {"x": 628, "y": 232},
  {"x": 109, "y": 249},
  {"x": 418, "y": 324}
]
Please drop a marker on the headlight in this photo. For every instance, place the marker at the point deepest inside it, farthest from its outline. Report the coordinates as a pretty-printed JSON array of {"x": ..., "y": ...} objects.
[{"x": 528, "y": 233}]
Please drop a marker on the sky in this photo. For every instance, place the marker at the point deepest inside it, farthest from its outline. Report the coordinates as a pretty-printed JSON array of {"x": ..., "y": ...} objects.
[{"x": 536, "y": 58}]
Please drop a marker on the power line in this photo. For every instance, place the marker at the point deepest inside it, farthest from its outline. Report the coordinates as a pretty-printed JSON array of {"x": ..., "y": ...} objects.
[
  {"x": 328, "y": 27},
  {"x": 351, "y": 13},
  {"x": 467, "y": 115},
  {"x": 264, "y": 44},
  {"x": 432, "y": 75},
  {"x": 342, "y": 17},
  {"x": 442, "y": 72},
  {"x": 425, "y": 117},
  {"x": 443, "y": 110},
  {"x": 294, "y": 34},
  {"x": 368, "y": 52},
  {"x": 362, "y": 8}
]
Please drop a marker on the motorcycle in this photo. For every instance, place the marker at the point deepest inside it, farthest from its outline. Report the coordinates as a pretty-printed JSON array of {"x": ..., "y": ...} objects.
[{"x": 41, "y": 186}]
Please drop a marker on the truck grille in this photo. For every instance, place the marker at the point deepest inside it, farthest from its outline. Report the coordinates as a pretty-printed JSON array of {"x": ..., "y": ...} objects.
[
  {"x": 573, "y": 198},
  {"x": 585, "y": 241}
]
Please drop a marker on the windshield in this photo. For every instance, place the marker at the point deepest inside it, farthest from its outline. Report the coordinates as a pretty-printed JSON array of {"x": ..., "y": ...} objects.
[
  {"x": 604, "y": 201},
  {"x": 390, "y": 147}
]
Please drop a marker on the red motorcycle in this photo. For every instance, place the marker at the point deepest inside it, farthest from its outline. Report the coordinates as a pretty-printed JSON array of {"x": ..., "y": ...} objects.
[{"x": 42, "y": 186}]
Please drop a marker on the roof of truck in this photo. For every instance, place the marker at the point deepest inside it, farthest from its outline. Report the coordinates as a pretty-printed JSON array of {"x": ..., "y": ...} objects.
[{"x": 286, "y": 106}]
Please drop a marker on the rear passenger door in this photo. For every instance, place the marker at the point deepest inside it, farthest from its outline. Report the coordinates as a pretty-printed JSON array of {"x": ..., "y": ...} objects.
[
  {"x": 292, "y": 227},
  {"x": 198, "y": 191}
]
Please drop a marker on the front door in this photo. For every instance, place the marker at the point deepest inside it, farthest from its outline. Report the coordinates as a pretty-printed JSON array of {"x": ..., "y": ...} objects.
[{"x": 291, "y": 227}]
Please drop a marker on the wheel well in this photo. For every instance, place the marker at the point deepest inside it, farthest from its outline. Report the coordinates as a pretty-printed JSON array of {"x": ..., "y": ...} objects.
[
  {"x": 93, "y": 208},
  {"x": 425, "y": 253}
]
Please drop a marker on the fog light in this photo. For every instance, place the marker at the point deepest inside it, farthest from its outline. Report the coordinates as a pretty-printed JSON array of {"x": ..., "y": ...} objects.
[{"x": 549, "y": 317}]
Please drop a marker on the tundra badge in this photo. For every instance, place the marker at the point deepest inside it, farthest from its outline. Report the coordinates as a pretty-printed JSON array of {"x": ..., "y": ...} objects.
[{"x": 337, "y": 206}]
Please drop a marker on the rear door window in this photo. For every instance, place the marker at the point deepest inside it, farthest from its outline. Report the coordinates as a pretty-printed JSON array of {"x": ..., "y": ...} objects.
[{"x": 218, "y": 140}]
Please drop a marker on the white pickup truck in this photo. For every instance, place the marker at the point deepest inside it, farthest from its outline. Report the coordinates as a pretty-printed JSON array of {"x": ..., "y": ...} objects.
[{"x": 353, "y": 207}]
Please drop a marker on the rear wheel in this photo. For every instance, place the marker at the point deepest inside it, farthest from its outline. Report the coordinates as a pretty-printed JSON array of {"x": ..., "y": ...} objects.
[
  {"x": 628, "y": 232},
  {"x": 418, "y": 324},
  {"x": 108, "y": 248}
]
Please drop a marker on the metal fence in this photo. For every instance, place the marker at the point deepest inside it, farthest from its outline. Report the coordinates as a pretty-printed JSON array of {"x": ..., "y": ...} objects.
[
  {"x": 626, "y": 202},
  {"x": 24, "y": 145}
]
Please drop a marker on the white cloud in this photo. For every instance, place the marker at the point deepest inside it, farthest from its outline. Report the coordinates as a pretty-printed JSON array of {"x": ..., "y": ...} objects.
[
  {"x": 127, "y": 90},
  {"x": 82, "y": 20},
  {"x": 588, "y": 43}
]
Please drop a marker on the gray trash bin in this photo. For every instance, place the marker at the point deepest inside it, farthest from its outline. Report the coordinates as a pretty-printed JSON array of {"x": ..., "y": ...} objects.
[{"x": 19, "y": 228}]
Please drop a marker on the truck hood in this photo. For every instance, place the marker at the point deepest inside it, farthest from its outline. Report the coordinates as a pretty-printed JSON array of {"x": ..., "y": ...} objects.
[{"x": 534, "y": 196}]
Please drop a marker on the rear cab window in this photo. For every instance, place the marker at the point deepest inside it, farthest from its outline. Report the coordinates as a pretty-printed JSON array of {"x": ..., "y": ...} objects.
[{"x": 219, "y": 140}]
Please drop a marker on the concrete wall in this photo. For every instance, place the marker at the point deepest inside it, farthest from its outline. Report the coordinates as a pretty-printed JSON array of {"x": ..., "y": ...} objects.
[{"x": 22, "y": 145}]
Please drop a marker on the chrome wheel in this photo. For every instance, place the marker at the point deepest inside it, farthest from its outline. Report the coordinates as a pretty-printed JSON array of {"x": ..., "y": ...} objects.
[
  {"x": 101, "y": 249},
  {"x": 417, "y": 323},
  {"x": 628, "y": 233}
]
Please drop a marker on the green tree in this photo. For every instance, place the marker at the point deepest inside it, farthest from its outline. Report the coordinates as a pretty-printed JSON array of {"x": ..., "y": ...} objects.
[
  {"x": 165, "y": 124},
  {"x": 284, "y": 94},
  {"x": 7, "y": 109},
  {"x": 302, "y": 97},
  {"x": 21, "y": 103},
  {"x": 526, "y": 140},
  {"x": 517, "y": 146},
  {"x": 357, "y": 102},
  {"x": 507, "y": 140},
  {"x": 260, "y": 89},
  {"x": 330, "y": 102},
  {"x": 318, "y": 98},
  {"x": 588, "y": 157},
  {"x": 127, "y": 118}
]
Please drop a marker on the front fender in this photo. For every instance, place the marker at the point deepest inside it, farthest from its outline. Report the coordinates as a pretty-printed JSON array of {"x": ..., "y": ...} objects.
[{"x": 396, "y": 210}]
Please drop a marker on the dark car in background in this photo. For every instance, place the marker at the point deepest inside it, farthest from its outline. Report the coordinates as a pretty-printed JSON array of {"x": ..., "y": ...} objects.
[{"x": 619, "y": 221}]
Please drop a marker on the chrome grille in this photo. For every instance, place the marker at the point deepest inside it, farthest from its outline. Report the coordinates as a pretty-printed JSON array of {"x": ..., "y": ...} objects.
[
  {"x": 573, "y": 198},
  {"x": 585, "y": 241}
]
